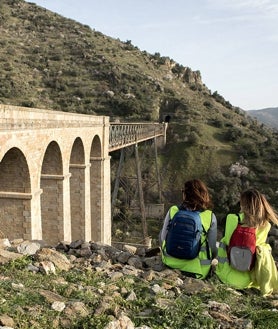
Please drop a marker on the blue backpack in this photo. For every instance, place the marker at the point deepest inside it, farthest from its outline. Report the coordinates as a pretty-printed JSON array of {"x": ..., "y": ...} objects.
[{"x": 183, "y": 239}]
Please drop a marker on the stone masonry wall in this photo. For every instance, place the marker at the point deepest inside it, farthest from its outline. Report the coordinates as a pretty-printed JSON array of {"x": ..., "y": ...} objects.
[{"x": 39, "y": 150}]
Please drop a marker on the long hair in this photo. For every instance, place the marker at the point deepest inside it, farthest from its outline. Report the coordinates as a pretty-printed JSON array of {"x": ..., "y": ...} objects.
[
  {"x": 196, "y": 195},
  {"x": 257, "y": 210}
]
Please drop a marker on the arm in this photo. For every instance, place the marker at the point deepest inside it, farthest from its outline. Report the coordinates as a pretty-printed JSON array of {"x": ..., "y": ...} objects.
[
  {"x": 212, "y": 236},
  {"x": 163, "y": 232}
]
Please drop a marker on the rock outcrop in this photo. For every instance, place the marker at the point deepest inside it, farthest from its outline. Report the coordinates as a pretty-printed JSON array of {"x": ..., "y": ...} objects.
[{"x": 127, "y": 263}]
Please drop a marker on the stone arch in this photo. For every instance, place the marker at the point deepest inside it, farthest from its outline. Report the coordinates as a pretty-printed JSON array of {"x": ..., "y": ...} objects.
[
  {"x": 52, "y": 195},
  {"x": 15, "y": 195},
  {"x": 77, "y": 190},
  {"x": 96, "y": 188}
]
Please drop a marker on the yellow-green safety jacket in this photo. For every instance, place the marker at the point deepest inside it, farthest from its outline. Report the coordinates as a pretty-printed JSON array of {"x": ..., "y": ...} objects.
[
  {"x": 227, "y": 274},
  {"x": 200, "y": 265}
]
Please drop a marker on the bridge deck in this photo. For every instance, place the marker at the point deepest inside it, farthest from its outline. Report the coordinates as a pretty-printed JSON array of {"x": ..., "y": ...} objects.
[
  {"x": 125, "y": 134},
  {"x": 120, "y": 134}
]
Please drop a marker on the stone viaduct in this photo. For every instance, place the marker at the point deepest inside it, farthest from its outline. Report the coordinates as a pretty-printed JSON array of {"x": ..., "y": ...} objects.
[{"x": 55, "y": 172}]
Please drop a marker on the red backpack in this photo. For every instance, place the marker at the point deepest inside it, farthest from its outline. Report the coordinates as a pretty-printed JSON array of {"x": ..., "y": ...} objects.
[{"x": 242, "y": 248}]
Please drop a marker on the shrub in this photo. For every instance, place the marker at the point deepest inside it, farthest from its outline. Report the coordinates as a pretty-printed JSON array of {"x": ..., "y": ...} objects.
[{"x": 233, "y": 134}]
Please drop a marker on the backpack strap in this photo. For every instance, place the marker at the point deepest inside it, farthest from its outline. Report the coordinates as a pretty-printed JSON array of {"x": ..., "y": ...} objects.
[
  {"x": 239, "y": 219},
  {"x": 225, "y": 219},
  {"x": 222, "y": 244},
  {"x": 206, "y": 238},
  {"x": 207, "y": 244}
]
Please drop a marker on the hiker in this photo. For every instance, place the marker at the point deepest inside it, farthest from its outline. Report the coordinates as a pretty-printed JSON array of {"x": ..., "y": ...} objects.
[
  {"x": 176, "y": 246},
  {"x": 257, "y": 214}
]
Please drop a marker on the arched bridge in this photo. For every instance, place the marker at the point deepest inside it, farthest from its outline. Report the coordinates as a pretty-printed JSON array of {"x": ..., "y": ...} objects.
[{"x": 55, "y": 172}]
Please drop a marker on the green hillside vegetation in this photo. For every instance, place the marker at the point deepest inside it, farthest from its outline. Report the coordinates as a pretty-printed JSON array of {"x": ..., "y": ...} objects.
[
  {"x": 268, "y": 116},
  {"x": 48, "y": 61}
]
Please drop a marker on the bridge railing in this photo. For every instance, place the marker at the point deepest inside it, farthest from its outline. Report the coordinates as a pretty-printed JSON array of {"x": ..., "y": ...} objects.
[{"x": 126, "y": 134}]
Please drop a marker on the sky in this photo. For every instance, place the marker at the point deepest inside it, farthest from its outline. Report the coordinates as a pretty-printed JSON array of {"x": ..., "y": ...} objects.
[{"x": 233, "y": 43}]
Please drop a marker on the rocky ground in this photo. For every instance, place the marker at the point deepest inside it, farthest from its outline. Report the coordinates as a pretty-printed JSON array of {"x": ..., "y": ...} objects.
[{"x": 90, "y": 285}]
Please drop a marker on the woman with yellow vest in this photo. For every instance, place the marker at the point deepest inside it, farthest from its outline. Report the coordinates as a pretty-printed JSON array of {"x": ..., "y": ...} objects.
[
  {"x": 256, "y": 212},
  {"x": 196, "y": 199}
]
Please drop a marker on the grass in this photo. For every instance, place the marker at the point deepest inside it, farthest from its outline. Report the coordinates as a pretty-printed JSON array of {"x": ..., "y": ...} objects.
[{"x": 160, "y": 303}]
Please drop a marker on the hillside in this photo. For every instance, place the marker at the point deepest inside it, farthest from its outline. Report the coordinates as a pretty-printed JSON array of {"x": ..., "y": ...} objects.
[
  {"x": 51, "y": 62},
  {"x": 48, "y": 61},
  {"x": 268, "y": 116}
]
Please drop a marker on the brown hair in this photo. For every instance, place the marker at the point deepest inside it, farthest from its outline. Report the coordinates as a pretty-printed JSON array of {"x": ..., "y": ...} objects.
[
  {"x": 196, "y": 195},
  {"x": 257, "y": 211}
]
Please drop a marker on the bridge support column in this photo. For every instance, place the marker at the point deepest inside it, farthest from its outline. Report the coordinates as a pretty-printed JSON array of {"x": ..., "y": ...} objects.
[
  {"x": 55, "y": 206},
  {"x": 80, "y": 202},
  {"x": 106, "y": 202},
  {"x": 117, "y": 182},
  {"x": 141, "y": 197},
  {"x": 66, "y": 208},
  {"x": 36, "y": 219},
  {"x": 87, "y": 205},
  {"x": 100, "y": 200}
]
